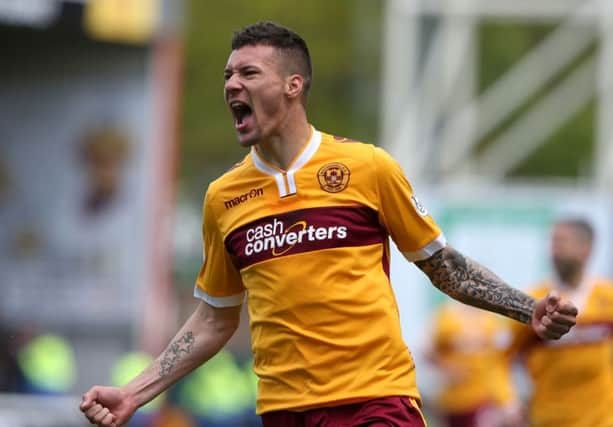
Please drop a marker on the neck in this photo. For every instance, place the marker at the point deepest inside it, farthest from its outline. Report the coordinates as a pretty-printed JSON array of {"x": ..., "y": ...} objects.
[
  {"x": 573, "y": 281},
  {"x": 284, "y": 146}
]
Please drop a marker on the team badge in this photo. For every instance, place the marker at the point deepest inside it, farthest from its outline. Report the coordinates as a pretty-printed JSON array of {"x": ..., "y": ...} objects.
[
  {"x": 421, "y": 210},
  {"x": 333, "y": 177}
]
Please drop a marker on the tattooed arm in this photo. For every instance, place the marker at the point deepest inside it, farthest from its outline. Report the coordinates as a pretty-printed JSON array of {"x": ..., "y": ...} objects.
[
  {"x": 200, "y": 338},
  {"x": 469, "y": 282}
]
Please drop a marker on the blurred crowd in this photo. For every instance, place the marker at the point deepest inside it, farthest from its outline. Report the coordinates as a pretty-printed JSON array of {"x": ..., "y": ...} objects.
[{"x": 220, "y": 393}]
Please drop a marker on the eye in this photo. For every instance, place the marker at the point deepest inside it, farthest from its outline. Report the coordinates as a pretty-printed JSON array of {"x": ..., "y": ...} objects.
[
  {"x": 250, "y": 72},
  {"x": 226, "y": 76}
]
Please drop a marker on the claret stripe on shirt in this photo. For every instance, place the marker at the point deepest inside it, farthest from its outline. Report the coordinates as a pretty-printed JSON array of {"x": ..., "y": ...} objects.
[{"x": 304, "y": 230}]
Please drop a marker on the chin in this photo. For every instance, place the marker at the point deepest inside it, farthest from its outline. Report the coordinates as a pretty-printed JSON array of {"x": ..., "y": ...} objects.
[
  {"x": 247, "y": 140},
  {"x": 246, "y": 143}
]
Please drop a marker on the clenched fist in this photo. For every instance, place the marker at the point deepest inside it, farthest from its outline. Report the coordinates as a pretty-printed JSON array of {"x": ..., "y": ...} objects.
[{"x": 553, "y": 316}]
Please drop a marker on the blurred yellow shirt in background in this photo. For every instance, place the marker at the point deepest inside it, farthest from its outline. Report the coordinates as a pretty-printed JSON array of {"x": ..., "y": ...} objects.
[
  {"x": 572, "y": 377},
  {"x": 469, "y": 349}
]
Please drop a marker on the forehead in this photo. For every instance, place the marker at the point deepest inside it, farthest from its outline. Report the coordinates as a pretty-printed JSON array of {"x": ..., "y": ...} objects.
[
  {"x": 561, "y": 229},
  {"x": 566, "y": 231},
  {"x": 259, "y": 55}
]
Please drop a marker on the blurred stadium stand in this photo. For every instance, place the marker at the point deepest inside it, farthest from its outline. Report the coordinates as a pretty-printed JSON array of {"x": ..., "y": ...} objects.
[{"x": 88, "y": 118}]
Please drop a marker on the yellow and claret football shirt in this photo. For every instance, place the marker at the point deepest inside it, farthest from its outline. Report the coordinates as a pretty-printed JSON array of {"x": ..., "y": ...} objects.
[
  {"x": 572, "y": 377},
  {"x": 471, "y": 344},
  {"x": 309, "y": 247}
]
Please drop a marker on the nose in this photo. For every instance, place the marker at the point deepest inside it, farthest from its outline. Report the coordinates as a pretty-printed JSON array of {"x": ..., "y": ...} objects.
[{"x": 232, "y": 84}]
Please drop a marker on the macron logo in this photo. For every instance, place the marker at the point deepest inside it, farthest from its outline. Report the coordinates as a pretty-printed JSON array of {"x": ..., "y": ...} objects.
[{"x": 256, "y": 192}]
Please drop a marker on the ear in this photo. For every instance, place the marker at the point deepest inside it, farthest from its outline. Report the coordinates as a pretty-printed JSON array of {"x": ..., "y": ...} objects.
[{"x": 294, "y": 86}]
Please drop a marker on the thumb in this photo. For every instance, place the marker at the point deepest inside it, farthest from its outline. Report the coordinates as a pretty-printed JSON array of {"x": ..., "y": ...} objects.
[
  {"x": 552, "y": 302},
  {"x": 88, "y": 399}
]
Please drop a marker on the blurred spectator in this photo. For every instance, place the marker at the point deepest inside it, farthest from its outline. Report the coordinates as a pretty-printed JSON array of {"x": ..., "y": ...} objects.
[
  {"x": 104, "y": 152},
  {"x": 572, "y": 378},
  {"x": 219, "y": 393},
  {"x": 11, "y": 377},
  {"x": 468, "y": 351},
  {"x": 48, "y": 365}
]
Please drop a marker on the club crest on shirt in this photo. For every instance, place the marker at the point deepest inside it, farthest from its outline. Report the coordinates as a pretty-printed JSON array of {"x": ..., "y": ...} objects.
[
  {"x": 333, "y": 177},
  {"x": 421, "y": 210}
]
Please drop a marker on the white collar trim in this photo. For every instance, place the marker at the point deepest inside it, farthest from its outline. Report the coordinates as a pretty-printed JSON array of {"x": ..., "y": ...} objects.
[{"x": 288, "y": 188}]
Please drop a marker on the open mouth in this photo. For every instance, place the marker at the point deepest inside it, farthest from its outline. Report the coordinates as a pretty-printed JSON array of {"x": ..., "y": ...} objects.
[{"x": 241, "y": 111}]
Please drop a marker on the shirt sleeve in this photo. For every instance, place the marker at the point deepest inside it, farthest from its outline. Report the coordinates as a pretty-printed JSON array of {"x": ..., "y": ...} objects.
[
  {"x": 219, "y": 282},
  {"x": 407, "y": 221}
]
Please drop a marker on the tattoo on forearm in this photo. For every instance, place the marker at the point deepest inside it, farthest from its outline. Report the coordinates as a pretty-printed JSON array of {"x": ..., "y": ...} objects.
[
  {"x": 183, "y": 345},
  {"x": 465, "y": 280}
]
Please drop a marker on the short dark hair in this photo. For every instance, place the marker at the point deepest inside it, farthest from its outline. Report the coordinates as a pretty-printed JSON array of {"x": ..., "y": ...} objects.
[
  {"x": 288, "y": 43},
  {"x": 582, "y": 226}
]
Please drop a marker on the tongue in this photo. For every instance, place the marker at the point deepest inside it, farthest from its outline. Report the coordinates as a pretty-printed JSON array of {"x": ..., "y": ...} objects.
[{"x": 243, "y": 121}]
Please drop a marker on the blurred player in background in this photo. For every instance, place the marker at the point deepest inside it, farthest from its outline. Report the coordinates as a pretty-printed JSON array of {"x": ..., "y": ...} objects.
[
  {"x": 476, "y": 387},
  {"x": 572, "y": 378},
  {"x": 301, "y": 228}
]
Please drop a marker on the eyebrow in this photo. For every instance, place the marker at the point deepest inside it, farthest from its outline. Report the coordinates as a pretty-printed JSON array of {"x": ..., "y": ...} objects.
[{"x": 241, "y": 68}]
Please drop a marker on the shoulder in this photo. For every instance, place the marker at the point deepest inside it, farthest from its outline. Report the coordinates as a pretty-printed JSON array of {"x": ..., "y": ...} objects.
[
  {"x": 347, "y": 146},
  {"x": 601, "y": 300},
  {"x": 356, "y": 148},
  {"x": 604, "y": 287},
  {"x": 539, "y": 290},
  {"x": 340, "y": 139},
  {"x": 443, "y": 310},
  {"x": 604, "y": 282},
  {"x": 228, "y": 177},
  {"x": 364, "y": 154}
]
